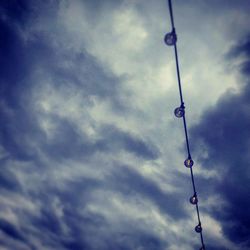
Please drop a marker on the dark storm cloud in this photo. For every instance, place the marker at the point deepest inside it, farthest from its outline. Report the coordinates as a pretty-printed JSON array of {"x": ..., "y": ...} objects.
[
  {"x": 150, "y": 190},
  {"x": 222, "y": 140},
  {"x": 243, "y": 50},
  {"x": 19, "y": 60},
  {"x": 16, "y": 234},
  {"x": 117, "y": 139},
  {"x": 17, "y": 10},
  {"x": 10, "y": 230},
  {"x": 214, "y": 6},
  {"x": 8, "y": 180},
  {"x": 65, "y": 190},
  {"x": 71, "y": 200},
  {"x": 90, "y": 230},
  {"x": 23, "y": 140}
]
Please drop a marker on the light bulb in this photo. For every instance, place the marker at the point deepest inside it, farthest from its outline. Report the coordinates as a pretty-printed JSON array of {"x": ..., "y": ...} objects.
[
  {"x": 179, "y": 112},
  {"x": 188, "y": 162},
  {"x": 198, "y": 228},
  {"x": 170, "y": 38},
  {"x": 194, "y": 200}
]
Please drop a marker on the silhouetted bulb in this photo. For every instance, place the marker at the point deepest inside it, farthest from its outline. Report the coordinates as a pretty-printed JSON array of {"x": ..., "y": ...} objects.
[
  {"x": 198, "y": 228},
  {"x": 194, "y": 200},
  {"x": 202, "y": 248},
  {"x": 170, "y": 38},
  {"x": 179, "y": 112},
  {"x": 188, "y": 162}
]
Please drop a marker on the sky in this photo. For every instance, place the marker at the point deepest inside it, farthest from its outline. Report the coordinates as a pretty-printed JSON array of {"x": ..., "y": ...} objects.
[{"x": 91, "y": 153}]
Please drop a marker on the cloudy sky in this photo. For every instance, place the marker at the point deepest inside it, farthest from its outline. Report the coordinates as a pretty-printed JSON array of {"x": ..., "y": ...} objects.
[{"x": 91, "y": 153}]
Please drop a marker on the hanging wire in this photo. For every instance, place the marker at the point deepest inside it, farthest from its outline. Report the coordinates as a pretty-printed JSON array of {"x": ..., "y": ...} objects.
[{"x": 171, "y": 40}]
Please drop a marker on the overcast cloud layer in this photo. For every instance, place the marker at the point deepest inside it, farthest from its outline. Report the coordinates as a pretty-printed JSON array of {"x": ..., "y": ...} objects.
[{"x": 91, "y": 153}]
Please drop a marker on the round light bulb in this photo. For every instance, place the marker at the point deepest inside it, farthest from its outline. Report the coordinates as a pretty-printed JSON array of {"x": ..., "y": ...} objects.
[
  {"x": 194, "y": 200},
  {"x": 179, "y": 112},
  {"x": 188, "y": 162},
  {"x": 198, "y": 228},
  {"x": 170, "y": 38}
]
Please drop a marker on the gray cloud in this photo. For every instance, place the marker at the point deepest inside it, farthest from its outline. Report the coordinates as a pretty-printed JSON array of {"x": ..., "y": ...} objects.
[
  {"x": 221, "y": 139},
  {"x": 88, "y": 159}
]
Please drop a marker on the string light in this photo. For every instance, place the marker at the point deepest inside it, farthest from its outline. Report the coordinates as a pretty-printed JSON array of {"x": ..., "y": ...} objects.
[
  {"x": 193, "y": 200},
  {"x": 189, "y": 162},
  {"x": 171, "y": 40},
  {"x": 198, "y": 228},
  {"x": 180, "y": 111}
]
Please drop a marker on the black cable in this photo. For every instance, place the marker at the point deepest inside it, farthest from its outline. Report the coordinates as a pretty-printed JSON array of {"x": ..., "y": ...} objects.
[
  {"x": 171, "y": 39},
  {"x": 171, "y": 13}
]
